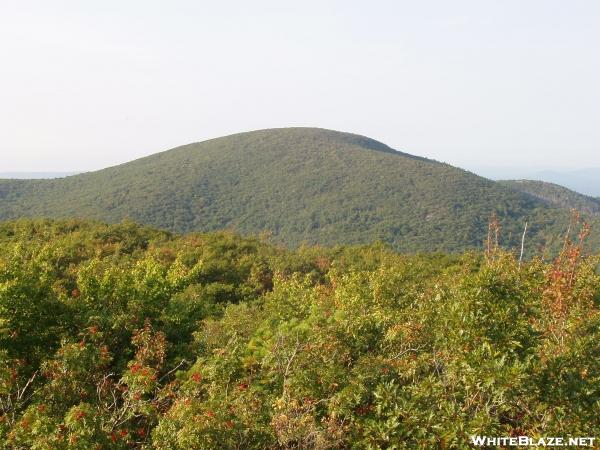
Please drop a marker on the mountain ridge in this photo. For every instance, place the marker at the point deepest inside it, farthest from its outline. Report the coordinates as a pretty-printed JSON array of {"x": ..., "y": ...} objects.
[
  {"x": 557, "y": 195},
  {"x": 305, "y": 185}
]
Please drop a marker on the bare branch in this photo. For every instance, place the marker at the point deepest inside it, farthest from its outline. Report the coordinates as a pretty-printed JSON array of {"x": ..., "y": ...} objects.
[{"x": 522, "y": 244}]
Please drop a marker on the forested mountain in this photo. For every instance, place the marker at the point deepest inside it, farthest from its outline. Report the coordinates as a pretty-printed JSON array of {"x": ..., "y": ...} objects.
[
  {"x": 585, "y": 181},
  {"x": 303, "y": 185},
  {"x": 123, "y": 337},
  {"x": 35, "y": 175},
  {"x": 556, "y": 195}
]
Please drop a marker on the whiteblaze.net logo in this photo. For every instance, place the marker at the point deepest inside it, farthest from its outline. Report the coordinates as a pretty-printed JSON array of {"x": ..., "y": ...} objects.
[{"x": 526, "y": 441}]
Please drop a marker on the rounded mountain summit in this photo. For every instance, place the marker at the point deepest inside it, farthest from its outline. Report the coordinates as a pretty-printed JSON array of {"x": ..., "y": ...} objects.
[{"x": 304, "y": 185}]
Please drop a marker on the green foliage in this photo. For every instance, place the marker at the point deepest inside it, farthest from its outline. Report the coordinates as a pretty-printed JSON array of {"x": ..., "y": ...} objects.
[
  {"x": 119, "y": 336},
  {"x": 556, "y": 195},
  {"x": 301, "y": 185}
]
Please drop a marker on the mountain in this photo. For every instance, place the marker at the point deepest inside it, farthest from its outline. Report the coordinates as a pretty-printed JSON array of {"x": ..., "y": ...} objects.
[
  {"x": 585, "y": 181},
  {"x": 303, "y": 185},
  {"x": 556, "y": 195},
  {"x": 35, "y": 175}
]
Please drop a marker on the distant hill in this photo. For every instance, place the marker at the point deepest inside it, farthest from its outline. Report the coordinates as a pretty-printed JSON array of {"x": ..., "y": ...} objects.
[
  {"x": 585, "y": 181},
  {"x": 35, "y": 175},
  {"x": 303, "y": 185},
  {"x": 556, "y": 195}
]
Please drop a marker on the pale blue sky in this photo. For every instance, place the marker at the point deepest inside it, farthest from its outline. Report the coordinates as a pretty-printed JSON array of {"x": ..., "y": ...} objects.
[{"x": 88, "y": 84}]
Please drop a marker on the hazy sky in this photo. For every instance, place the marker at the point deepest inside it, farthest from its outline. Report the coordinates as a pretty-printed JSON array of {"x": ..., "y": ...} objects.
[{"x": 87, "y": 84}]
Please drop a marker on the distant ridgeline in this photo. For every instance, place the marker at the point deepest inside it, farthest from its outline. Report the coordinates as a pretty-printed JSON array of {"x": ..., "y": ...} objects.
[
  {"x": 35, "y": 175},
  {"x": 557, "y": 195},
  {"x": 303, "y": 186}
]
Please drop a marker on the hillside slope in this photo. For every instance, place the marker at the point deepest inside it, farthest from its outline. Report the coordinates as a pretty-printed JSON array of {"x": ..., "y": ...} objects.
[
  {"x": 304, "y": 185},
  {"x": 556, "y": 195}
]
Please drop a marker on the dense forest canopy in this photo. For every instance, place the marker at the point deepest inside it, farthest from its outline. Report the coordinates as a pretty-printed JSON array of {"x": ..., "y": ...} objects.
[
  {"x": 122, "y": 336},
  {"x": 556, "y": 195},
  {"x": 302, "y": 185}
]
